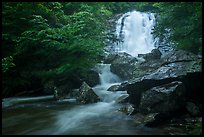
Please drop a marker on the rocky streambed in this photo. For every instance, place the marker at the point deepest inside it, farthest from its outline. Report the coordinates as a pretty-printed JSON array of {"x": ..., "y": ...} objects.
[{"x": 161, "y": 87}]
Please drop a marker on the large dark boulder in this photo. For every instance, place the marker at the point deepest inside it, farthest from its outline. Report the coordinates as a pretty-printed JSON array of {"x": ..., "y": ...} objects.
[
  {"x": 122, "y": 64},
  {"x": 175, "y": 66},
  {"x": 64, "y": 84},
  {"x": 91, "y": 77},
  {"x": 128, "y": 67},
  {"x": 150, "y": 119},
  {"x": 146, "y": 67},
  {"x": 136, "y": 87},
  {"x": 154, "y": 54},
  {"x": 165, "y": 99},
  {"x": 151, "y": 63},
  {"x": 193, "y": 109},
  {"x": 86, "y": 95}
]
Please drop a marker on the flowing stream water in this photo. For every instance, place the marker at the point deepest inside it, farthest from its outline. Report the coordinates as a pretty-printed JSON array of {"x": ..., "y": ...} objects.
[{"x": 44, "y": 115}]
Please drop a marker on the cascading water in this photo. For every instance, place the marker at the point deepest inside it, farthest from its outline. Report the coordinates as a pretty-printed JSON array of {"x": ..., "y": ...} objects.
[
  {"x": 107, "y": 79},
  {"x": 81, "y": 118},
  {"x": 77, "y": 118},
  {"x": 134, "y": 30}
]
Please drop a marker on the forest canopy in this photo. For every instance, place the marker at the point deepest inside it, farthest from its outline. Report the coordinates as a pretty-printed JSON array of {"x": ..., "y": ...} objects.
[{"x": 180, "y": 24}]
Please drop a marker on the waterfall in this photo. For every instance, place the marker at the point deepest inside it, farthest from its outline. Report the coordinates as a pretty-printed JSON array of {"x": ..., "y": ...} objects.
[
  {"x": 106, "y": 76},
  {"x": 107, "y": 79},
  {"x": 134, "y": 31}
]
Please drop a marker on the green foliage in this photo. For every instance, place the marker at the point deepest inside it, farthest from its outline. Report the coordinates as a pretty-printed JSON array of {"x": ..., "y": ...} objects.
[
  {"x": 183, "y": 22},
  {"x": 120, "y": 7},
  {"x": 145, "y": 6},
  {"x": 7, "y": 63},
  {"x": 49, "y": 41}
]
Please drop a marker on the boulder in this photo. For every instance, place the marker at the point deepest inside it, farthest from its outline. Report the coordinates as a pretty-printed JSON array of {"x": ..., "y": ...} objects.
[
  {"x": 64, "y": 85},
  {"x": 179, "y": 55},
  {"x": 114, "y": 88},
  {"x": 61, "y": 91},
  {"x": 144, "y": 68},
  {"x": 56, "y": 94},
  {"x": 193, "y": 109},
  {"x": 127, "y": 109},
  {"x": 122, "y": 98},
  {"x": 156, "y": 119},
  {"x": 86, "y": 94},
  {"x": 164, "y": 99},
  {"x": 128, "y": 67},
  {"x": 91, "y": 77},
  {"x": 182, "y": 69},
  {"x": 136, "y": 87},
  {"x": 122, "y": 64},
  {"x": 73, "y": 93},
  {"x": 149, "y": 120},
  {"x": 155, "y": 54}
]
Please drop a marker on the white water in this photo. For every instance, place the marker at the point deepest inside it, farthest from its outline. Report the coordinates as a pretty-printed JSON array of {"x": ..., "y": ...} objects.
[
  {"x": 82, "y": 118},
  {"x": 107, "y": 79},
  {"x": 136, "y": 33}
]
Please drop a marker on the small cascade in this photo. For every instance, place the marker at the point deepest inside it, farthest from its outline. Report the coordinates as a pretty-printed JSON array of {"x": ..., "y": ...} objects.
[
  {"x": 134, "y": 29},
  {"x": 107, "y": 79},
  {"x": 109, "y": 105},
  {"x": 106, "y": 76}
]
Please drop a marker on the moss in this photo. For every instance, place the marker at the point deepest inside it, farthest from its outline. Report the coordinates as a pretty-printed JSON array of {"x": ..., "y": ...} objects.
[
  {"x": 193, "y": 127},
  {"x": 196, "y": 129}
]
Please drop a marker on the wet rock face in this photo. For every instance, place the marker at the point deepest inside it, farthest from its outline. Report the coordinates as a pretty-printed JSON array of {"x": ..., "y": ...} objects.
[
  {"x": 122, "y": 64},
  {"x": 165, "y": 99},
  {"x": 127, "y": 109},
  {"x": 91, "y": 77},
  {"x": 155, "y": 54},
  {"x": 161, "y": 88},
  {"x": 177, "y": 68},
  {"x": 150, "y": 120},
  {"x": 86, "y": 95},
  {"x": 179, "y": 56},
  {"x": 114, "y": 88},
  {"x": 193, "y": 109},
  {"x": 172, "y": 64}
]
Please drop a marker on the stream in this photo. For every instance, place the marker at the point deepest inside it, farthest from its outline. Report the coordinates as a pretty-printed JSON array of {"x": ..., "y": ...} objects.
[
  {"x": 51, "y": 118},
  {"x": 46, "y": 116}
]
